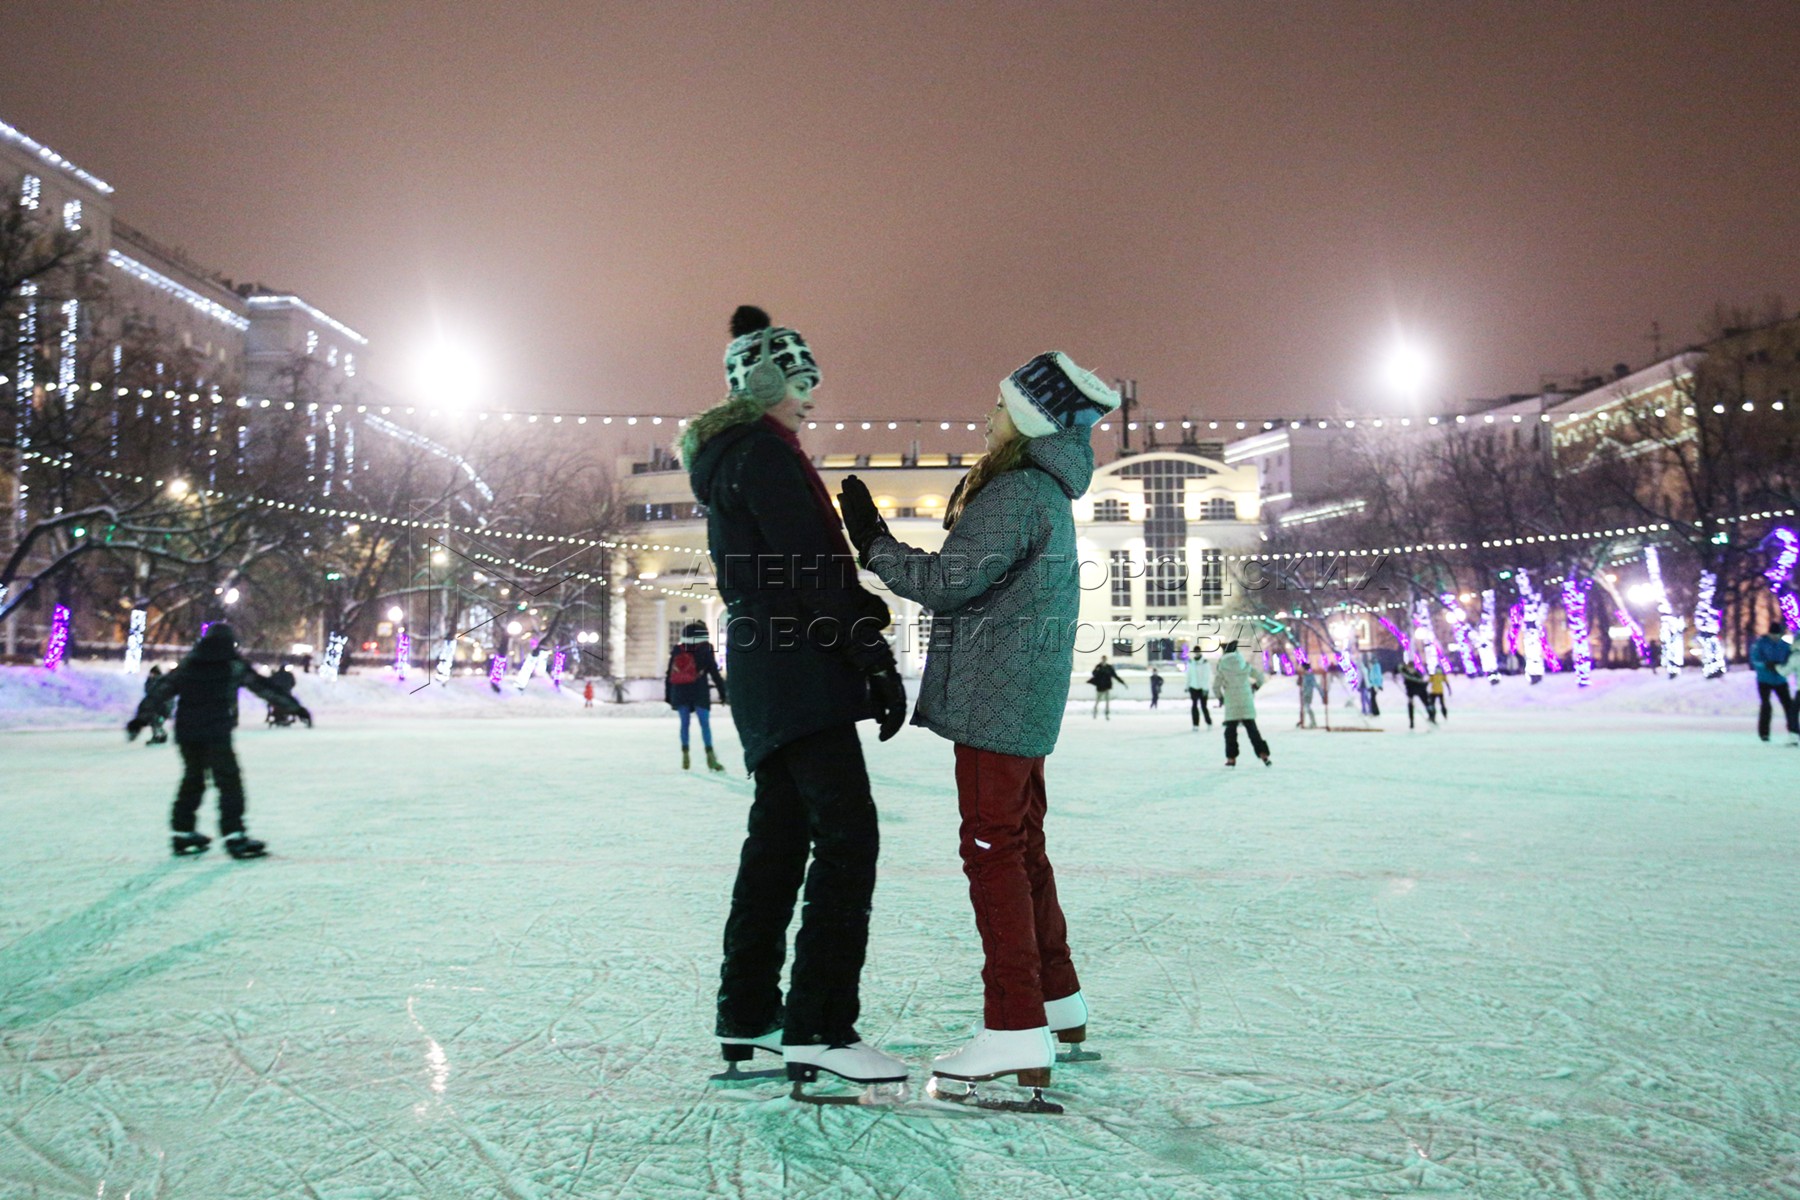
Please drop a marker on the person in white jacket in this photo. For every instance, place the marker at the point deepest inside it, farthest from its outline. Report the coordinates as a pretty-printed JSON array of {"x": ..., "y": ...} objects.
[
  {"x": 1237, "y": 680},
  {"x": 1199, "y": 683}
]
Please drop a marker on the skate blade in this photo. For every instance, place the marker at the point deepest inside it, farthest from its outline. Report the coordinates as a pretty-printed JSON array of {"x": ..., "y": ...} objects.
[
  {"x": 1077, "y": 1055},
  {"x": 731, "y": 1074},
  {"x": 938, "y": 1090},
  {"x": 875, "y": 1095}
]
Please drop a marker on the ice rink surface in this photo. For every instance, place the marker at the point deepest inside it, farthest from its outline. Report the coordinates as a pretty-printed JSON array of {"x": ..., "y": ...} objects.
[{"x": 1549, "y": 950}]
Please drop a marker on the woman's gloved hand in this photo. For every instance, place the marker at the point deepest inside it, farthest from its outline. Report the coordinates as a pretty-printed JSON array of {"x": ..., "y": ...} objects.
[{"x": 862, "y": 521}]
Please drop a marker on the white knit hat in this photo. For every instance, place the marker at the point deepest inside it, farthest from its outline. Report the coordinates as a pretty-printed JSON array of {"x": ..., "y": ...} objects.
[{"x": 1050, "y": 394}]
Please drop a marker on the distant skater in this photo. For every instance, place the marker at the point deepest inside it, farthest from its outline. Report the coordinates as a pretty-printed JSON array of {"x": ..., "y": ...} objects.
[
  {"x": 1413, "y": 680},
  {"x": 1437, "y": 692},
  {"x": 688, "y": 683},
  {"x": 1770, "y": 654},
  {"x": 1156, "y": 686},
  {"x": 205, "y": 690},
  {"x": 1372, "y": 687},
  {"x": 1102, "y": 681},
  {"x": 1237, "y": 680},
  {"x": 587, "y": 695},
  {"x": 1308, "y": 683},
  {"x": 1199, "y": 683}
]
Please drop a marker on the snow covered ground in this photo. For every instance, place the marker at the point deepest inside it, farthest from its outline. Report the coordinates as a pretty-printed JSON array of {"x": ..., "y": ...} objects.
[{"x": 1549, "y": 950}]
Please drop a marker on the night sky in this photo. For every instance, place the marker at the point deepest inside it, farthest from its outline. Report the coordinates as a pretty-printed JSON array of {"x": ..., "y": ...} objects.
[{"x": 1236, "y": 204}]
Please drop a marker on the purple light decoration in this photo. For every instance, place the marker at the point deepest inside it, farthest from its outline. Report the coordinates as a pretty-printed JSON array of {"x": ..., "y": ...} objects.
[
  {"x": 1459, "y": 626},
  {"x": 556, "y": 667},
  {"x": 1532, "y": 641},
  {"x": 1706, "y": 627},
  {"x": 204, "y": 626},
  {"x": 58, "y": 645},
  {"x": 1575, "y": 612},
  {"x": 1779, "y": 572},
  {"x": 402, "y": 647},
  {"x": 497, "y": 670},
  {"x": 1515, "y": 621},
  {"x": 1400, "y": 639},
  {"x": 1637, "y": 636}
]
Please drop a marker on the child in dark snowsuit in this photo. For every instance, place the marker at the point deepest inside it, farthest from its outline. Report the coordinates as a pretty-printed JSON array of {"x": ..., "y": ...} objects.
[
  {"x": 205, "y": 686},
  {"x": 151, "y": 714},
  {"x": 687, "y": 686}
]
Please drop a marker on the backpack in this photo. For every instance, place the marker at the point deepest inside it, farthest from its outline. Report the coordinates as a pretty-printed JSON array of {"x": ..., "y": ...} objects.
[{"x": 683, "y": 669}]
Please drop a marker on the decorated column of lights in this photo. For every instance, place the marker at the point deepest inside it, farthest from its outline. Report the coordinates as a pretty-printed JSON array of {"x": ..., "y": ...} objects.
[
  {"x": 1671, "y": 629},
  {"x": 496, "y": 671},
  {"x": 134, "y": 641},
  {"x": 1425, "y": 636},
  {"x": 402, "y": 650},
  {"x": 529, "y": 667},
  {"x": 1515, "y": 626},
  {"x": 1346, "y": 664},
  {"x": 1531, "y": 638},
  {"x": 1465, "y": 638},
  {"x": 1636, "y": 633},
  {"x": 334, "y": 656},
  {"x": 1484, "y": 637},
  {"x": 1706, "y": 628},
  {"x": 557, "y": 662},
  {"x": 58, "y": 645},
  {"x": 1781, "y": 571},
  {"x": 1400, "y": 639},
  {"x": 1574, "y": 598},
  {"x": 446, "y": 658}
]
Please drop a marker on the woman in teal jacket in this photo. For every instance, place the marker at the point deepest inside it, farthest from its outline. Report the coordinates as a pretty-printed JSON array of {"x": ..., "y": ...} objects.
[{"x": 1005, "y": 601}]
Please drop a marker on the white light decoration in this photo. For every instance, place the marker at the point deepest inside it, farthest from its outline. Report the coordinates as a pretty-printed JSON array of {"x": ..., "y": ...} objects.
[
  {"x": 529, "y": 667},
  {"x": 156, "y": 279},
  {"x": 1706, "y": 628},
  {"x": 1425, "y": 641},
  {"x": 44, "y": 154},
  {"x": 71, "y": 342},
  {"x": 324, "y": 319},
  {"x": 134, "y": 641},
  {"x": 1465, "y": 638},
  {"x": 1575, "y": 613},
  {"x": 1531, "y": 644},
  {"x": 1484, "y": 635},
  {"x": 334, "y": 654},
  {"x": 1672, "y": 631},
  {"x": 31, "y": 192},
  {"x": 72, "y": 216},
  {"x": 445, "y": 659}
]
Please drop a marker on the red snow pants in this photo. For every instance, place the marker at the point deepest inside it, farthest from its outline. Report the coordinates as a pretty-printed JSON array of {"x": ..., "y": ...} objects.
[{"x": 1013, "y": 889}]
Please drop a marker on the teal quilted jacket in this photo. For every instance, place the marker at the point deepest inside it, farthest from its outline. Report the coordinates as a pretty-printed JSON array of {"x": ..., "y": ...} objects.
[{"x": 1005, "y": 601}]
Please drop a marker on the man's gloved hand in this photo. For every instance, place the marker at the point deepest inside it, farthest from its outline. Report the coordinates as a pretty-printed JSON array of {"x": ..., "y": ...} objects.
[
  {"x": 862, "y": 521},
  {"x": 133, "y": 727},
  {"x": 889, "y": 696},
  {"x": 305, "y": 715}
]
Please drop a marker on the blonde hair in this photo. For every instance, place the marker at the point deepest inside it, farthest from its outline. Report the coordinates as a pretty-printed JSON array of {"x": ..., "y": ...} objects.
[{"x": 1008, "y": 456}]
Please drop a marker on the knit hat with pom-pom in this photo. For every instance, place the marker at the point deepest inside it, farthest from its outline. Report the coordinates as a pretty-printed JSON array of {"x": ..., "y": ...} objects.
[
  {"x": 1051, "y": 393},
  {"x": 786, "y": 347}
]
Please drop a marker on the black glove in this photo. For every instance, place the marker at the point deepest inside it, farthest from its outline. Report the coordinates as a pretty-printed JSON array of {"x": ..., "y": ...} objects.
[
  {"x": 722, "y": 697},
  {"x": 133, "y": 727},
  {"x": 889, "y": 696},
  {"x": 862, "y": 521},
  {"x": 305, "y": 715}
]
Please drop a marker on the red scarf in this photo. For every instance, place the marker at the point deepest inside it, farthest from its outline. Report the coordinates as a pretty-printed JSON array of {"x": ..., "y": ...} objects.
[{"x": 833, "y": 523}]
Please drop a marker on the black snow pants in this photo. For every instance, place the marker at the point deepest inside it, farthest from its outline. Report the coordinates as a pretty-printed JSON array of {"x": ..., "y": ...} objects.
[
  {"x": 1197, "y": 706},
  {"x": 811, "y": 795},
  {"x": 1789, "y": 708},
  {"x": 1256, "y": 738},
  {"x": 1424, "y": 698},
  {"x": 216, "y": 756}
]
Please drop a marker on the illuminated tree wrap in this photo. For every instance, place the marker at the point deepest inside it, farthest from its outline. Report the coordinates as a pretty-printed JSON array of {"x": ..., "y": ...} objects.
[
  {"x": 1780, "y": 574},
  {"x": 1425, "y": 636},
  {"x": 1637, "y": 636},
  {"x": 58, "y": 645},
  {"x": 1531, "y": 638},
  {"x": 1465, "y": 638},
  {"x": 497, "y": 670},
  {"x": 402, "y": 650},
  {"x": 334, "y": 655},
  {"x": 1484, "y": 636},
  {"x": 1400, "y": 639},
  {"x": 134, "y": 641},
  {"x": 557, "y": 662},
  {"x": 1574, "y": 598},
  {"x": 445, "y": 659},
  {"x": 1671, "y": 629},
  {"x": 1706, "y": 627}
]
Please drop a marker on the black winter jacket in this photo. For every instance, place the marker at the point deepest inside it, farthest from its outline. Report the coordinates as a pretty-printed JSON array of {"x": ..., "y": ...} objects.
[
  {"x": 801, "y": 634},
  {"x": 698, "y": 692},
  {"x": 206, "y": 685}
]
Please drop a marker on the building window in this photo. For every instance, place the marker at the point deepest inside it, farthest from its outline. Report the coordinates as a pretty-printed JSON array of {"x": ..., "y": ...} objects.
[
  {"x": 350, "y": 364},
  {"x": 1111, "y": 510},
  {"x": 1219, "y": 510},
  {"x": 1165, "y": 583},
  {"x": 1121, "y": 579},
  {"x": 1123, "y": 648},
  {"x": 312, "y": 342},
  {"x": 1212, "y": 578},
  {"x": 1162, "y": 650},
  {"x": 31, "y": 192},
  {"x": 72, "y": 215}
]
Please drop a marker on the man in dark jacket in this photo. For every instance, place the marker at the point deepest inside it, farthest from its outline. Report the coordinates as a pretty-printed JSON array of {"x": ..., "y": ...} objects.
[
  {"x": 807, "y": 661},
  {"x": 1102, "y": 680},
  {"x": 1417, "y": 690},
  {"x": 688, "y": 682},
  {"x": 1769, "y": 654},
  {"x": 205, "y": 686}
]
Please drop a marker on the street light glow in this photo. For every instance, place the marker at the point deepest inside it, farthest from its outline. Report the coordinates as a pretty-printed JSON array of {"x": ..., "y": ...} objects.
[
  {"x": 1406, "y": 370},
  {"x": 449, "y": 374},
  {"x": 396, "y": 614}
]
